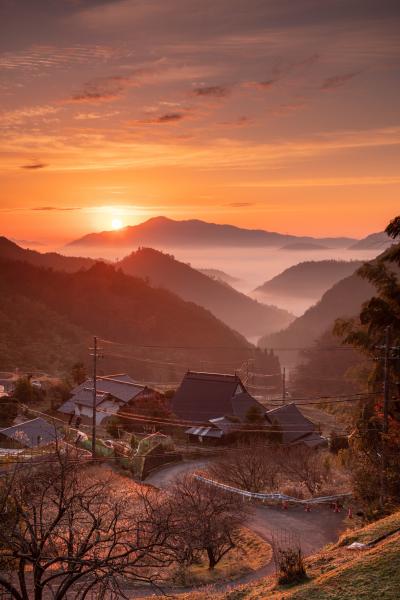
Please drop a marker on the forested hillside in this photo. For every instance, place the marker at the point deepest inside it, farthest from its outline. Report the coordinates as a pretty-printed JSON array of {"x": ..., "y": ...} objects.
[
  {"x": 249, "y": 317},
  {"x": 309, "y": 279},
  {"x": 70, "y": 264},
  {"x": 344, "y": 299},
  {"x": 47, "y": 317}
]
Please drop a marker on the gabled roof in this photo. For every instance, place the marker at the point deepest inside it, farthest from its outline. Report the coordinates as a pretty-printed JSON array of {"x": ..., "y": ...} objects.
[
  {"x": 292, "y": 422},
  {"x": 205, "y": 396},
  {"x": 85, "y": 397},
  {"x": 36, "y": 432},
  {"x": 121, "y": 386},
  {"x": 225, "y": 425}
]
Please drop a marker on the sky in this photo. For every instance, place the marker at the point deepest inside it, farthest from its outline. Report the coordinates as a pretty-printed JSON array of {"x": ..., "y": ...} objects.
[{"x": 273, "y": 114}]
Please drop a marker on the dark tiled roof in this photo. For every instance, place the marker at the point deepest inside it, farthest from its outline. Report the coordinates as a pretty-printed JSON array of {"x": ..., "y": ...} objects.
[
  {"x": 225, "y": 425},
  {"x": 121, "y": 387},
  {"x": 30, "y": 434},
  {"x": 313, "y": 440},
  {"x": 204, "y": 396},
  {"x": 291, "y": 421}
]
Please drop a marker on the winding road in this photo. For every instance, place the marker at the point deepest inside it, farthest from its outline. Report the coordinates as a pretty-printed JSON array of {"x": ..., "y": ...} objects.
[{"x": 313, "y": 529}]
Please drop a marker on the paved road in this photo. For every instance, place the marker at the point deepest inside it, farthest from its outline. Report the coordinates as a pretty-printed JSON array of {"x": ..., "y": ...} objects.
[
  {"x": 314, "y": 529},
  {"x": 165, "y": 476}
]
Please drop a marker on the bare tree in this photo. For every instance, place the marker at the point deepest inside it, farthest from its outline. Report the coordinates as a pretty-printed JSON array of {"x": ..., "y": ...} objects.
[
  {"x": 65, "y": 531},
  {"x": 251, "y": 467},
  {"x": 306, "y": 465},
  {"x": 207, "y": 519}
]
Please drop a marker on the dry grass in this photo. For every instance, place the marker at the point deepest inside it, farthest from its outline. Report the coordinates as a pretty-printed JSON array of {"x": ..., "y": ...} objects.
[
  {"x": 251, "y": 553},
  {"x": 335, "y": 573}
]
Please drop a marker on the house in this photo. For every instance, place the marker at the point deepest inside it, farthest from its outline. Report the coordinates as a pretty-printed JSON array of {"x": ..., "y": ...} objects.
[
  {"x": 221, "y": 430},
  {"x": 218, "y": 405},
  {"x": 293, "y": 426},
  {"x": 6, "y": 386},
  {"x": 114, "y": 393},
  {"x": 30, "y": 434}
]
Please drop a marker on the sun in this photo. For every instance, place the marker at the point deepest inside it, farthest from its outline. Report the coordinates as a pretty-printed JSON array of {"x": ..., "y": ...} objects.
[{"x": 116, "y": 224}]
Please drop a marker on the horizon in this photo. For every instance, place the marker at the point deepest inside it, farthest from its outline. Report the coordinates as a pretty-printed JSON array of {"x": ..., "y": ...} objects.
[
  {"x": 43, "y": 245},
  {"x": 277, "y": 116}
]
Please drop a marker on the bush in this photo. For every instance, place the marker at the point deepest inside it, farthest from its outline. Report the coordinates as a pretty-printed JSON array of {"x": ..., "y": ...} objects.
[
  {"x": 113, "y": 428},
  {"x": 134, "y": 442},
  {"x": 289, "y": 564}
]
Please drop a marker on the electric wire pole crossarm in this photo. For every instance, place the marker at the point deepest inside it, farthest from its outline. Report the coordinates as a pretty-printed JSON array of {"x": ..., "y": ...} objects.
[{"x": 95, "y": 353}]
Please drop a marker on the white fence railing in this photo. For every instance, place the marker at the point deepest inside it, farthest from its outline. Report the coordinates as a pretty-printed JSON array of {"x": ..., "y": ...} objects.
[{"x": 278, "y": 497}]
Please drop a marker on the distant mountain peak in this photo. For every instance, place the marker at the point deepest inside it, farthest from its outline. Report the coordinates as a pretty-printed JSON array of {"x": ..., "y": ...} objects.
[{"x": 163, "y": 232}]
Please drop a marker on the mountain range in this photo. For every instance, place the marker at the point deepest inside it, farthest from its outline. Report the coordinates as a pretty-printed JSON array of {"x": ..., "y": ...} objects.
[
  {"x": 47, "y": 318},
  {"x": 343, "y": 299},
  {"x": 12, "y": 251},
  {"x": 308, "y": 279},
  {"x": 374, "y": 241},
  {"x": 240, "y": 312},
  {"x": 162, "y": 232}
]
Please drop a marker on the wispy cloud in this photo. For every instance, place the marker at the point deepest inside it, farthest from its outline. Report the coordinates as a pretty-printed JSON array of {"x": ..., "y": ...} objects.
[
  {"x": 289, "y": 108},
  {"x": 164, "y": 119},
  {"x": 34, "y": 165},
  {"x": 322, "y": 182},
  {"x": 39, "y": 57},
  {"x": 237, "y": 122},
  {"x": 19, "y": 115},
  {"x": 240, "y": 204},
  {"x": 95, "y": 150},
  {"x": 92, "y": 116},
  {"x": 55, "y": 208},
  {"x": 216, "y": 91},
  {"x": 102, "y": 89},
  {"x": 336, "y": 81},
  {"x": 261, "y": 85}
]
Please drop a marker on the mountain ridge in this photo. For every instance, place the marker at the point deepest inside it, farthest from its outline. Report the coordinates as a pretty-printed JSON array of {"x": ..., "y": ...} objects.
[
  {"x": 162, "y": 231},
  {"x": 308, "y": 279},
  {"x": 238, "y": 311},
  {"x": 104, "y": 301}
]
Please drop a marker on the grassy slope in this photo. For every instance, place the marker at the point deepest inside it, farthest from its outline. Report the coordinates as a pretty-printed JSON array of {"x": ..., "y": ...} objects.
[{"x": 337, "y": 573}]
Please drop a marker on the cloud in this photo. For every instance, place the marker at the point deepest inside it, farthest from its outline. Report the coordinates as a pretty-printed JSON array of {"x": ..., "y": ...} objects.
[
  {"x": 18, "y": 115},
  {"x": 55, "y": 208},
  {"x": 109, "y": 151},
  {"x": 91, "y": 116},
  {"x": 164, "y": 119},
  {"x": 322, "y": 182},
  {"x": 39, "y": 57},
  {"x": 34, "y": 166},
  {"x": 102, "y": 89},
  {"x": 216, "y": 91},
  {"x": 261, "y": 85},
  {"x": 238, "y": 122},
  {"x": 169, "y": 118},
  {"x": 336, "y": 81},
  {"x": 289, "y": 108},
  {"x": 240, "y": 204}
]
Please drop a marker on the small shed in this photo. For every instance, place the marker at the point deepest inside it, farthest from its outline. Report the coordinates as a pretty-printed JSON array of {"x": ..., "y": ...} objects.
[{"x": 30, "y": 434}]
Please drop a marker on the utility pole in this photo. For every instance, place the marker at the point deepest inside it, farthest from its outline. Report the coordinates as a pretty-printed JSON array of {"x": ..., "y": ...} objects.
[
  {"x": 386, "y": 400},
  {"x": 95, "y": 355},
  {"x": 284, "y": 385}
]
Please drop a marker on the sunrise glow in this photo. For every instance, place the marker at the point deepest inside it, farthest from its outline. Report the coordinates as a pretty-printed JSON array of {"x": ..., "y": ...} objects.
[
  {"x": 279, "y": 117},
  {"x": 117, "y": 223}
]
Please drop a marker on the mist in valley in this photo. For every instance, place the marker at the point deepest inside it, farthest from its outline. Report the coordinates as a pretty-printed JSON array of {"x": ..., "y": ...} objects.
[{"x": 251, "y": 267}]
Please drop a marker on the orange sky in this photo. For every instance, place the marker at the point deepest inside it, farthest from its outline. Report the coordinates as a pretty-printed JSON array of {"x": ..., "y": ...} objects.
[{"x": 276, "y": 115}]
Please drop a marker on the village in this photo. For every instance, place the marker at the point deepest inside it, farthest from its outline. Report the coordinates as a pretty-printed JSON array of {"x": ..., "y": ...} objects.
[
  {"x": 210, "y": 432},
  {"x": 207, "y": 412}
]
